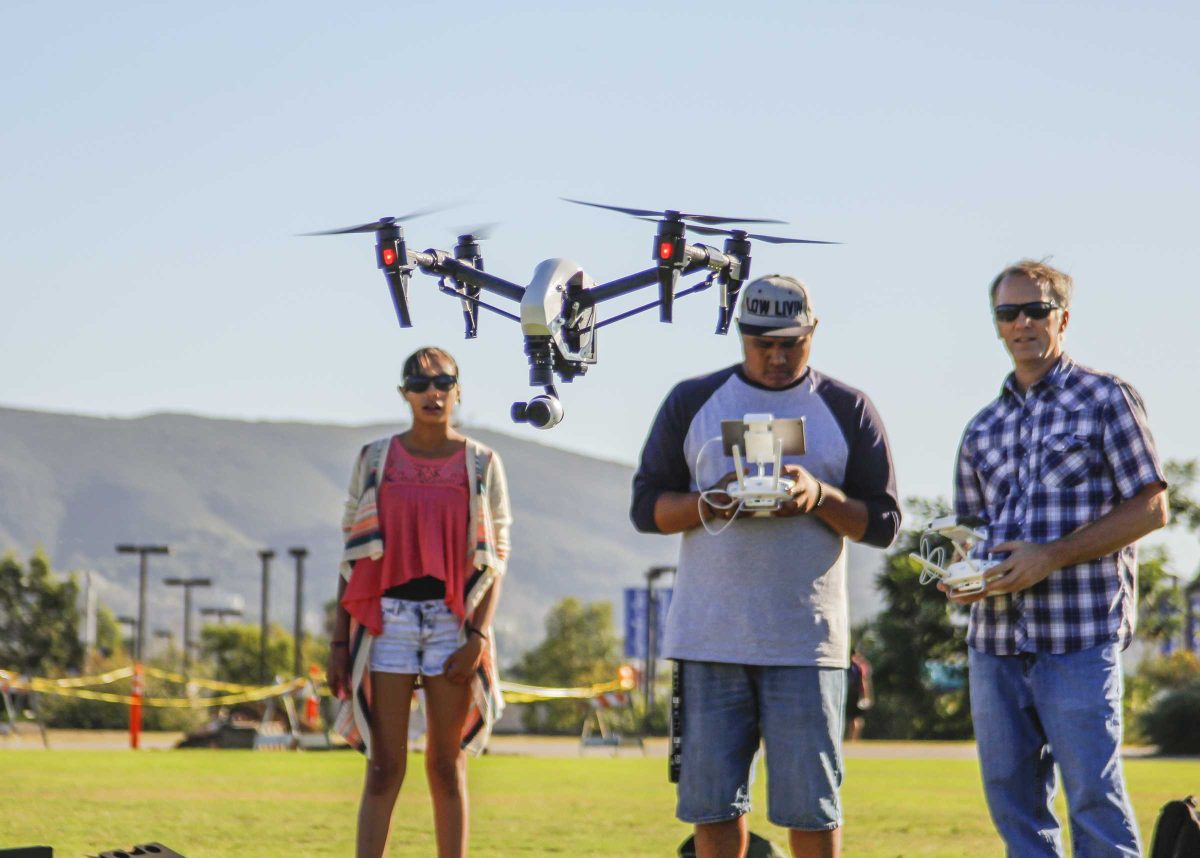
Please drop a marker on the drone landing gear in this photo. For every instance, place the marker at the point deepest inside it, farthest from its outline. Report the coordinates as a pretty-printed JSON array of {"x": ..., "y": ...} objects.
[{"x": 544, "y": 411}]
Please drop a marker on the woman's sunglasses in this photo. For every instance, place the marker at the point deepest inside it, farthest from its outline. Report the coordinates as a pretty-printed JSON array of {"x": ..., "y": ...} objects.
[
  {"x": 420, "y": 383},
  {"x": 1035, "y": 310}
]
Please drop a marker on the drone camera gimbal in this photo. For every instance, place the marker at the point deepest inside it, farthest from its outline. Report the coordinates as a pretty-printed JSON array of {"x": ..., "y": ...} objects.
[{"x": 558, "y": 308}]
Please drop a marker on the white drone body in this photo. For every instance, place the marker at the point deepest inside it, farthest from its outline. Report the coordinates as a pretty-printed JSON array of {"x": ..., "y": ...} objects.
[
  {"x": 963, "y": 574},
  {"x": 760, "y": 491},
  {"x": 547, "y": 312}
]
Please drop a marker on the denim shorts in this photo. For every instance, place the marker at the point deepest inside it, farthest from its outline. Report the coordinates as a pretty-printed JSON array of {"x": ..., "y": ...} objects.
[
  {"x": 417, "y": 637},
  {"x": 795, "y": 712}
]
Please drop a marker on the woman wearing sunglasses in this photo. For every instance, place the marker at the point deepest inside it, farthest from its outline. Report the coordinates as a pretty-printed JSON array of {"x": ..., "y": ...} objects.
[{"x": 426, "y": 542}]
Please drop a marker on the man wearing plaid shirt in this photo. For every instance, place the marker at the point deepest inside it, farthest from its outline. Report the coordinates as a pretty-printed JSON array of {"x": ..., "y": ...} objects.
[{"x": 1063, "y": 467}]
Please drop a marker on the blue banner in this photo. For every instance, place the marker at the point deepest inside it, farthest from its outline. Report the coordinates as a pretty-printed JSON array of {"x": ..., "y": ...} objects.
[{"x": 636, "y": 614}]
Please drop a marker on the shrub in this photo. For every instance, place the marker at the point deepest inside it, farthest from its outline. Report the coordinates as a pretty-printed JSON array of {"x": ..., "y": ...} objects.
[{"x": 1173, "y": 720}]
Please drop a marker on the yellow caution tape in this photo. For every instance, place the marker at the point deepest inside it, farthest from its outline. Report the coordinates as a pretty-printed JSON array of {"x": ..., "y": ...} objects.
[
  {"x": 200, "y": 682},
  {"x": 514, "y": 692},
  {"x": 255, "y": 694},
  {"x": 71, "y": 681}
]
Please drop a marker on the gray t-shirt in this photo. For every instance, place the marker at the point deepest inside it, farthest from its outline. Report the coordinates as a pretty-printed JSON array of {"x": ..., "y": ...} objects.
[{"x": 766, "y": 591}]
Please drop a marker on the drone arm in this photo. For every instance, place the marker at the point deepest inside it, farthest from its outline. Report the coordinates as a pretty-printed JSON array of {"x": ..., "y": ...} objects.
[
  {"x": 699, "y": 287},
  {"x": 698, "y": 257},
  {"x": 465, "y": 297},
  {"x": 442, "y": 264}
]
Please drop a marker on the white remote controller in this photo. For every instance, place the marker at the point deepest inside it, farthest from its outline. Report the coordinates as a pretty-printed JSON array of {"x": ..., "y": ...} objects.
[
  {"x": 967, "y": 576},
  {"x": 761, "y": 493}
]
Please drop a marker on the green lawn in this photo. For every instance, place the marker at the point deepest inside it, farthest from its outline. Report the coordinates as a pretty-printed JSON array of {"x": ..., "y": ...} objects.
[{"x": 217, "y": 804}]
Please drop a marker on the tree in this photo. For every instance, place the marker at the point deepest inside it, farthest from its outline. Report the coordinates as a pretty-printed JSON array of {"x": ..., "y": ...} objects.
[
  {"x": 39, "y": 621},
  {"x": 580, "y": 648},
  {"x": 917, "y": 648},
  {"x": 108, "y": 633},
  {"x": 1181, "y": 478},
  {"x": 234, "y": 649},
  {"x": 1160, "y": 603}
]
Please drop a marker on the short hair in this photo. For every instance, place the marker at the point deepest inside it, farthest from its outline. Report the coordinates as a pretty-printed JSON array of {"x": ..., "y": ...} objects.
[
  {"x": 1040, "y": 272},
  {"x": 421, "y": 358}
]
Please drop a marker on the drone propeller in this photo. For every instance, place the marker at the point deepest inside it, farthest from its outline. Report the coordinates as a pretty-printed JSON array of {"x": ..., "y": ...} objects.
[
  {"x": 467, "y": 250},
  {"x": 382, "y": 223},
  {"x": 741, "y": 233},
  {"x": 479, "y": 231},
  {"x": 670, "y": 214},
  {"x": 391, "y": 255}
]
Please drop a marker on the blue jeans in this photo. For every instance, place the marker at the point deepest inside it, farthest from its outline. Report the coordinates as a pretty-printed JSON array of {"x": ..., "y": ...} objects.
[
  {"x": 796, "y": 712},
  {"x": 1037, "y": 709}
]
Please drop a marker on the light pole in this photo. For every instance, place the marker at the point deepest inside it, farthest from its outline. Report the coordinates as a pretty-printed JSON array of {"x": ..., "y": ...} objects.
[
  {"x": 220, "y": 613},
  {"x": 166, "y": 635},
  {"x": 187, "y": 584},
  {"x": 132, "y": 623},
  {"x": 142, "y": 551},
  {"x": 298, "y": 625},
  {"x": 652, "y": 631},
  {"x": 265, "y": 555}
]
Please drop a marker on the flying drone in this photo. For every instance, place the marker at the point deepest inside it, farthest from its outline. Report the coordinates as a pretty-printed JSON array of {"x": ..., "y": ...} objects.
[{"x": 558, "y": 309}]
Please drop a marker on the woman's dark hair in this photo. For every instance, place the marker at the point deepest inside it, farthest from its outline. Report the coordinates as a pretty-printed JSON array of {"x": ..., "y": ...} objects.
[{"x": 420, "y": 360}]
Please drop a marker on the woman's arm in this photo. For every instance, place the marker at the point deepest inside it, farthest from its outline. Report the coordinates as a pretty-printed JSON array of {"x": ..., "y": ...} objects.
[
  {"x": 337, "y": 674},
  {"x": 500, "y": 509}
]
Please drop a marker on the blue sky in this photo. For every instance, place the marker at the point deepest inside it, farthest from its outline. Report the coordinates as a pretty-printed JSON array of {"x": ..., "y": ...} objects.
[{"x": 160, "y": 158}]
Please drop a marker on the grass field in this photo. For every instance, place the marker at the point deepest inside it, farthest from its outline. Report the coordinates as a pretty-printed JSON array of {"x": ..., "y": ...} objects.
[{"x": 218, "y": 804}]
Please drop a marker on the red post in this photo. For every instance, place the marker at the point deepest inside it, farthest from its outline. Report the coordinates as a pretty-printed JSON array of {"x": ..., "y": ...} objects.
[
  {"x": 135, "y": 708},
  {"x": 310, "y": 706}
]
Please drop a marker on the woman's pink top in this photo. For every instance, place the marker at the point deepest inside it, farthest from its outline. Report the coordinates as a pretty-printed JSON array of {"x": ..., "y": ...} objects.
[{"x": 424, "y": 511}]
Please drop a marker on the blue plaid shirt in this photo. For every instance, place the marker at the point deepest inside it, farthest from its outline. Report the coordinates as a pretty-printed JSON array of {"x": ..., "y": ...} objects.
[{"x": 1039, "y": 466}]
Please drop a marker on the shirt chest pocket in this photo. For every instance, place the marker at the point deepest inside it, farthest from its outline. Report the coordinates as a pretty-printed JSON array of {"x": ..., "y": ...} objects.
[
  {"x": 996, "y": 470},
  {"x": 1068, "y": 459}
]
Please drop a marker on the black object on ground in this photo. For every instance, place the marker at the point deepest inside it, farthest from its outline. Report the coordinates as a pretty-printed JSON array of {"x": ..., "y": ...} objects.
[
  {"x": 760, "y": 847},
  {"x": 1177, "y": 831}
]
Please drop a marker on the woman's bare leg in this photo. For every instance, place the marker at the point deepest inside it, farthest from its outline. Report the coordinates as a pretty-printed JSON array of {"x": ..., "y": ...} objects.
[
  {"x": 391, "y": 699},
  {"x": 446, "y": 762}
]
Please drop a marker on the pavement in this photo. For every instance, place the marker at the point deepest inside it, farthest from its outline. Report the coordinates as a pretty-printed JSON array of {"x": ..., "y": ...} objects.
[{"x": 29, "y": 739}]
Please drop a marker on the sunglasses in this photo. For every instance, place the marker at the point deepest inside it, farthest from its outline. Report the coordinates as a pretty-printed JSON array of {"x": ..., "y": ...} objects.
[
  {"x": 420, "y": 383},
  {"x": 1034, "y": 310}
]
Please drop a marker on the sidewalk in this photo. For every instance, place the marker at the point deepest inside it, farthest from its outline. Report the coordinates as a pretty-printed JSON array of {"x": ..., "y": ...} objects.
[{"x": 30, "y": 739}]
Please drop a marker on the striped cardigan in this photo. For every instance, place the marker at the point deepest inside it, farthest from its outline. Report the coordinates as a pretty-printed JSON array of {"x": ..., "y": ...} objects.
[{"x": 487, "y": 529}]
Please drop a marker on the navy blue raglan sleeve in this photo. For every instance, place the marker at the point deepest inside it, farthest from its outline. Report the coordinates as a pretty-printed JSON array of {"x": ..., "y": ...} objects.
[
  {"x": 663, "y": 467},
  {"x": 870, "y": 476}
]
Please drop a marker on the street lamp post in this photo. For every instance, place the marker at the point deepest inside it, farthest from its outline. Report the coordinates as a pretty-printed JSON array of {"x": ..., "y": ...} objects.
[
  {"x": 298, "y": 625},
  {"x": 132, "y": 623},
  {"x": 265, "y": 555},
  {"x": 220, "y": 613},
  {"x": 166, "y": 635},
  {"x": 142, "y": 551},
  {"x": 187, "y": 584}
]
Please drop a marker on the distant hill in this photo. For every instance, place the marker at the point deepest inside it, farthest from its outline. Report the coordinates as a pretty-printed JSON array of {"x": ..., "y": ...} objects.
[{"x": 217, "y": 491}]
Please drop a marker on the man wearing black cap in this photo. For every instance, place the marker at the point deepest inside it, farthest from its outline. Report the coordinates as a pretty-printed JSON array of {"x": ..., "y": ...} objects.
[{"x": 759, "y": 621}]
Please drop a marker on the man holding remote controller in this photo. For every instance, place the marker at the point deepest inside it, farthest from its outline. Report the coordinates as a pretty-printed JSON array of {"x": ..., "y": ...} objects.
[
  {"x": 1063, "y": 467},
  {"x": 758, "y": 624}
]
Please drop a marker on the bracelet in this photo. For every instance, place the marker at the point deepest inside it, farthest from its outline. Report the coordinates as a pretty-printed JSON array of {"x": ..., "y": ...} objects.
[
  {"x": 820, "y": 496},
  {"x": 339, "y": 643},
  {"x": 471, "y": 630}
]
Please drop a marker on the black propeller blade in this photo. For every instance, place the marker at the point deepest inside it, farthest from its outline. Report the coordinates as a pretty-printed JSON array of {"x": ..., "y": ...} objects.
[
  {"x": 741, "y": 233},
  {"x": 671, "y": 215},
  {"x": 382, "y": 223},
  {"x": 479, "y": 232}
]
